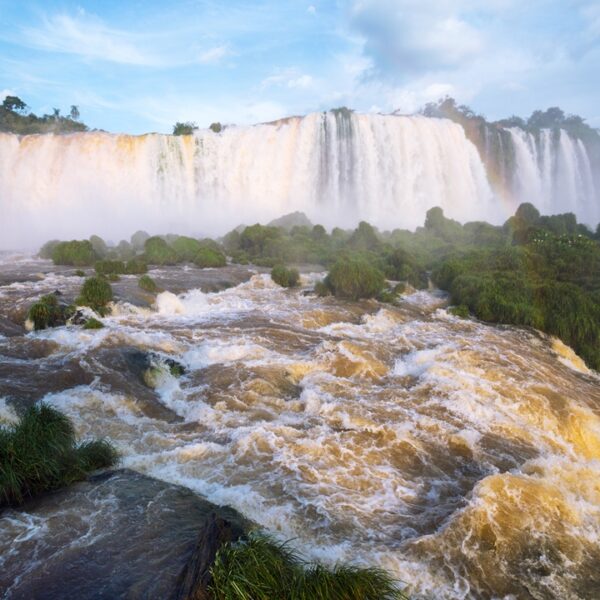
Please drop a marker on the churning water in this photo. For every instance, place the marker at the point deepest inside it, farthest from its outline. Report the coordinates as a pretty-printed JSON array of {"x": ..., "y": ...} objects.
[{"x": 463, "y": 457}]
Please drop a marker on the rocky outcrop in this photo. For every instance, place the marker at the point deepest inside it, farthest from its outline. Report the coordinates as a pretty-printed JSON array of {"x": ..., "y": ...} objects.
[{"x": 118, "y": 535}]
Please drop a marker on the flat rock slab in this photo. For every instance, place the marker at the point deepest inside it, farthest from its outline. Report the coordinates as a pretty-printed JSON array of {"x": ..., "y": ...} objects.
[{"x": 118, "y": 535}]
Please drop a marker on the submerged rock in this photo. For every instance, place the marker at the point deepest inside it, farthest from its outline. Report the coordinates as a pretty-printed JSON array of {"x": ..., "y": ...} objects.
[{"x": 118, "y": 535}]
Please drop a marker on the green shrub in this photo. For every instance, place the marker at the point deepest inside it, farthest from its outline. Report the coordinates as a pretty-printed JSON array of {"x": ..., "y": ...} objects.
[
  {"x": 240, "y": 257},
  {"x": 285, "y": 277},
  {"x": 387, "y": 296},
  {"x": 80, "y": 273},
  {"x": 186, "y": 248},
  {"x": 138, "y": 240},
  {"x": 96, "y": 293},
  {"x": 147, "y": 284},
  {"x": 92, "y": 323},
  {"x": 208, "y": 257},
  {"x": 110, "y": 267},
  {"x": 99, "y": 246},
  {"x": 262, "y": 569},
  {"x": 40, "y": 453},
  {"x": 354, "y": 278},
  {"x": 136, "y": 266},
  {"x": 459, "y": 311},
  {"x": 48, "y": 312},
  {"x": 47, "y": 249},
  {"x": 74, "y": 253},
  {"x": 113, "y": 277},
  {"x": 158, "y": 252},
  {"x": 321, "y": 289},
  {"x": 124, "y": 250}
]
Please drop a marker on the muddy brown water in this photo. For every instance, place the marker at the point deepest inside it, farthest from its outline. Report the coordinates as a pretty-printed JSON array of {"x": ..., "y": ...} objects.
[{"x": 463, "y": 457}]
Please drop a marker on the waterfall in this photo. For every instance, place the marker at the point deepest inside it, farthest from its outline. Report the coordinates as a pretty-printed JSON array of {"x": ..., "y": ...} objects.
[
  {"x": 554, "y": 171},
  {"x": 337, "y": 167}
]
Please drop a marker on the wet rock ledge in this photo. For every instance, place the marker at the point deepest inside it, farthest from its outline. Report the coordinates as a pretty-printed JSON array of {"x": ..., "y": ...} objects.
[{"x": 118, "y": 535}]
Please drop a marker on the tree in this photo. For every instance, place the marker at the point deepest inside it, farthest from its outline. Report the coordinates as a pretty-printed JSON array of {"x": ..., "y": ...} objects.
[
  {"x": 186, "y": 128},
  {"x": 14, "y": 103},
  {"x": 74, "y": 113},
  {"x": 56, "y": 113}
]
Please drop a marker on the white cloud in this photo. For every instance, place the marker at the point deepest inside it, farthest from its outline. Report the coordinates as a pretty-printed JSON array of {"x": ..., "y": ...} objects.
[
  {"x": 213, "y": 55},
  {"x": 290, "y": 78},
  {"x": 90, "y": 38},
  {"x": 304, "y": 81},
  {"x": 312, "y": 10}
]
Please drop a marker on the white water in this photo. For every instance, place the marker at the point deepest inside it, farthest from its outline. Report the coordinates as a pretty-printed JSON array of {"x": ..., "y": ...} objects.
[
  {"x": 555, "y": 173},
  {"x": 338, "y": 168},
  {"x": 388, "y": 170}
]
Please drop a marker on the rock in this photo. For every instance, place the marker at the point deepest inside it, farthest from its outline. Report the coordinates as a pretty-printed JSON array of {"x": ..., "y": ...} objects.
[
  {"x": 291, "y": 220},
  {"x": 10, "y": 329},
  {"x": 195, "y": 578},
  {"x": 118, "y": 535}
]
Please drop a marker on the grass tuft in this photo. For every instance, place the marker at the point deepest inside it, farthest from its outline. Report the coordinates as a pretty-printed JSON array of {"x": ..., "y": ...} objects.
[
  {"x": 40, "y": 453},
  {"x": 260, "y": 568}
]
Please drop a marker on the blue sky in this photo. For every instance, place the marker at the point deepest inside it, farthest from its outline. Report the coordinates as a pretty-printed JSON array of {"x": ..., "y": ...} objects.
[{"x": 140, "y": 66}]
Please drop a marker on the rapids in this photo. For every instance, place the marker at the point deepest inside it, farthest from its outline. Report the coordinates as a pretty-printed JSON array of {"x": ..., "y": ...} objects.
[
  {"x": 337, "y": 167},
  {"x": 463, "y": 457}
]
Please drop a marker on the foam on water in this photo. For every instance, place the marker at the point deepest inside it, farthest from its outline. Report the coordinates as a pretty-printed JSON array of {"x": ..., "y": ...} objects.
[{"x": 443, "y": 449}]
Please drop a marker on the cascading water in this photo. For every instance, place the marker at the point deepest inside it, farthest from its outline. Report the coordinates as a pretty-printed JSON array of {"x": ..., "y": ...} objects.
[
  {"x": 554, "y": 170},
  {"x": 337, "y": 167}
]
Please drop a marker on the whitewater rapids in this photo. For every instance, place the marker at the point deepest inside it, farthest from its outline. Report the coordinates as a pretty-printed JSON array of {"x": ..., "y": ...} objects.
[{"x": 463, "y": 457}]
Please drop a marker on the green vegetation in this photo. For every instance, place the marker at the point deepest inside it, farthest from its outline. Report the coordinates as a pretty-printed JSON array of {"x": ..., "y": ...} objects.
[
  {"x": 354, "y": 278},
  {"x": 47, "y": 249},
  {"x": 48, "y": 312},
  {"x": 186, "y": 248},
  {"x": 93, "y": 324},
  {"x": 285, "y": 277},
  {"x": 138, "y": 239},
  {"x": 96, "y": 293},
  {"x": 80, "y": 273},
  {"x": 99, "y": 246},
  {"x": 40, "y": 453},
  {"x": 110, "y": 267},
  {"x": 15, "y": 118},
  {"x": 261, "y": 569},
  {"x": 147, "y": 284},
  {"x": 186, "y": 128},
  {"x": 158, "y": 252},
  {"x": 534, "y": 270},
  {"x": 209, "y": 257},
  {"x": 74, "y": 253}
]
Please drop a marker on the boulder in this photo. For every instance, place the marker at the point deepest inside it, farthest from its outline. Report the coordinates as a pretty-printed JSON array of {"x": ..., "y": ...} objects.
[{"x": 118, "y": 535}]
